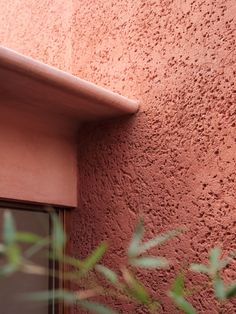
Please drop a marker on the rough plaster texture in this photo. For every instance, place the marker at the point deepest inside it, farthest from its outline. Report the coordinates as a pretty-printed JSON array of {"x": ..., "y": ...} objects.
[
  {"x": 174, "y": 162},
  {"x": 39, "y": 29}
]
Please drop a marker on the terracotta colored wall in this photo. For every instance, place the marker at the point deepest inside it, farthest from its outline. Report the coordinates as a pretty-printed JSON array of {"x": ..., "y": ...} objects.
[{"x": 174, "y": 162}]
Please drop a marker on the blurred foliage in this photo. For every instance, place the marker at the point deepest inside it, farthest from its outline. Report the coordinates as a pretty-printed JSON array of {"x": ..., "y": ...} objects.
[{"x": 93, "y": 279}]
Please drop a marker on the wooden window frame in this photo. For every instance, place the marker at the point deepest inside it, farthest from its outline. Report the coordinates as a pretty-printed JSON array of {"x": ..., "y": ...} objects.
[{"x": 63, "y": 212}]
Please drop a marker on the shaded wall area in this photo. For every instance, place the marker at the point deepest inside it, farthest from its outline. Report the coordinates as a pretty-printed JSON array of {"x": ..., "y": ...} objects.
[{"x": 174, "y": 162}]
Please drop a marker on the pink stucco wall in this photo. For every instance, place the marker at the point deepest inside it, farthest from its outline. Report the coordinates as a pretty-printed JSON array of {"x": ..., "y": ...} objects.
[{"x": 173, "y": 163}]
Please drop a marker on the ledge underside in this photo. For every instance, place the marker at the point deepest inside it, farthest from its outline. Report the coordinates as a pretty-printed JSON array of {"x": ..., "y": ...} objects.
[{"x": 34, "y": 83}]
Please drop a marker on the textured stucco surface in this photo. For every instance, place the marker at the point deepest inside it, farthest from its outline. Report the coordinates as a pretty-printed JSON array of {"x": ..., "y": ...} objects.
[
  {"x": 174, "y": 162},
  {"x": 39, "y": 29}
]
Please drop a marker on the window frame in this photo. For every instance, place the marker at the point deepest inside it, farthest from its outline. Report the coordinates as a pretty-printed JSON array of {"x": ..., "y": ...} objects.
[{"x": 59, "y": 307}]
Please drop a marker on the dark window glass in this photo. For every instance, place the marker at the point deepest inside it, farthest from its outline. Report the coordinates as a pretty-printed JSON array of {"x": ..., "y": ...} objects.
[{"x": 13, "y": 287}]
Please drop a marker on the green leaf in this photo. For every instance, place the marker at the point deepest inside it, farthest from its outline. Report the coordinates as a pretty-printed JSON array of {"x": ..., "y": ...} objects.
[
  {"x": 13, "y": 254},
  {"x": 135, "y": 288},
  {"x": 230, "y": 291},
  {"x": 150, "y": 262},
  {"x": 182, "y": 304},
  {"x": 225, "y": 262},
  {"x": 27, "y": 237},
  {"x": 133, "y": 249},
  {"x": 72, "y": 261},
  {"x": 58, "y": 235},
  {"x": 9, "y": 230},
  {"x": 107, "y": 273},
  {"x": 39, "y": 245},
  {"x": 158, "y": 240},
  {"x": 219, "y": 287},
  {"x": 177, "y": 295},
  {"x": 95, "y": 307},
  {"x": 50, "y": 295},
  {"x": 178, "y": 285},
  {"x": 93, "y": 258},
  {"x": 14, "y": 258},
  {"x": 214, "y": 258},
  {"x": 2, "y": 248},
  {"x": 8, "y": 269},
  {"x": 199, "y": 268}
]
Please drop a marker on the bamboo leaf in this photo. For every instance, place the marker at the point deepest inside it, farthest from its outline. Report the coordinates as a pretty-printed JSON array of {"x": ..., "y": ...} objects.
[
  {"x": 231, "y": 291},
  {"x": 13, "y": 254},
  {"x": 107, "y": 273},
  {"x": 72, "y": 261},
  {"x": 182, "y": 304},
  {"x": 95, "y": 307},
  {"x": 177, "y": 295},
  {"x": 27, "y": 237},
  {"x": 150, "y": 262},
  {"x": 30, "y": 268},
  {"x": 214, "y": 258},
  {"x": 2, "y": 248},
  {"x": 178, "y": 285},
  {"x": 7, "y": 270},
  {"x": 50, "y": 295},
  {"x": 219, "y": 287},
  {"x": 39, "y": 245},
  {"x": 58, "y": 235},
  {"x": 225, "y": 262},
  {"x": 199, "y": 268},
  {"x": 93, "y": 258},
  {"x": 158, "y": 240},
  {"x": 133, "y": 249},
  {"x": 9, "y": 230},
  {"x": 135, "y": 288}
]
